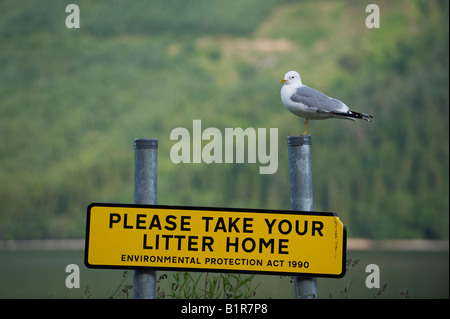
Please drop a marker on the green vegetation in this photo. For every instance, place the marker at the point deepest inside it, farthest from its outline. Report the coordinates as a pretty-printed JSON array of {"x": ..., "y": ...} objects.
[
  {"x": 73, "y": 100},
  {"x": 185, "y": 285}
]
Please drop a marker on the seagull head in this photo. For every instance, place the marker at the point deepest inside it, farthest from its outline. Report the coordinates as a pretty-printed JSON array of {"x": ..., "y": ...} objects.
[{"x": 292, "y": 77}]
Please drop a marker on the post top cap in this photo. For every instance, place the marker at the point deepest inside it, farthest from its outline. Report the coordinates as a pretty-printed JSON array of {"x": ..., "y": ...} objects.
[
  {"x": 299, "y": 140},
  {"x": 143, "y": 143}
]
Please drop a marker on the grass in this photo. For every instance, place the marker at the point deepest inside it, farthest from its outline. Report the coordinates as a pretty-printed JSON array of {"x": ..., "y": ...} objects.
[
  {"x": 41, "y": 274},
  {"x": 185, "y": 285}
]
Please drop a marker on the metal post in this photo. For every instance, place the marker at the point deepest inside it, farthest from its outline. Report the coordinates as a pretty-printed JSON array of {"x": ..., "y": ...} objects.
[
  {"x": 301, "y": 190},
  {"x": 145, "y": 181}
]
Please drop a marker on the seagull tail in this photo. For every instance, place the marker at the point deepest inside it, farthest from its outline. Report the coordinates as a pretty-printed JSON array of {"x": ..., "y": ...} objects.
[{"x": 356, "y": 115}]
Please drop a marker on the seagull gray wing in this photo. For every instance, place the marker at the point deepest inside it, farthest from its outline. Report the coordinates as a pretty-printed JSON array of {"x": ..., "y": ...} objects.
[{"x": 317, "y": 100}]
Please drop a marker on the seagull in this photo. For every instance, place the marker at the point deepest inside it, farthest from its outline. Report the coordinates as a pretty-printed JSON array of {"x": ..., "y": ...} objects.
[{"x": 311, "y": 104}]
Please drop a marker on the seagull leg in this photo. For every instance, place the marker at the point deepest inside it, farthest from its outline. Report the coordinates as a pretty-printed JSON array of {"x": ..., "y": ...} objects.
[{"x": 306, "y": 127}]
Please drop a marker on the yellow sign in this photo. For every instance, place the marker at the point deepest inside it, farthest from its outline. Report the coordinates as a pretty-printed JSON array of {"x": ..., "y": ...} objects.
[{"x": 215, "y": 239}]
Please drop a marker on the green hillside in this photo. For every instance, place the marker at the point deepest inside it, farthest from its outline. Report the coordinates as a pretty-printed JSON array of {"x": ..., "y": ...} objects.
[{"x": 73, "y": 100}]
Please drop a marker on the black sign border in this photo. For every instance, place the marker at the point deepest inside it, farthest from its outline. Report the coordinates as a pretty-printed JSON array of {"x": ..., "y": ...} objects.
[{"x": 218, "y": 209}]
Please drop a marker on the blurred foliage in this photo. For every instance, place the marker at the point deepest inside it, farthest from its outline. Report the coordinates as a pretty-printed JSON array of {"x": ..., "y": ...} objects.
[{"x": 73, "y": 100}]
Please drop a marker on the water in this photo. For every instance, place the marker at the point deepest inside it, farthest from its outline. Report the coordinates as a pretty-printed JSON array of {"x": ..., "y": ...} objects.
[{"x": 41, "y": 274}]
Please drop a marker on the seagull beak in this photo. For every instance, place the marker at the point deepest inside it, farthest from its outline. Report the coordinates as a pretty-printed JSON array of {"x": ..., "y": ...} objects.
[{"x": 283, "y": 80}]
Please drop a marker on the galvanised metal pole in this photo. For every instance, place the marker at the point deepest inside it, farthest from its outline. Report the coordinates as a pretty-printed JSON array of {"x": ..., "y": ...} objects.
[
  {"x": 301, "y": 194},
  {"x": 145, "y": 181}
]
